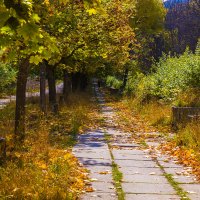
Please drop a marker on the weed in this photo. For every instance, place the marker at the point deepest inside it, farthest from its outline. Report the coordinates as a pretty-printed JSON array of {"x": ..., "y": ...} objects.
[
  {"x": 143, "y": 143},
  {"x": 107, "y": 137},
  {"x": 117, "y": 175},
  {"x": 176, "y": 186}
]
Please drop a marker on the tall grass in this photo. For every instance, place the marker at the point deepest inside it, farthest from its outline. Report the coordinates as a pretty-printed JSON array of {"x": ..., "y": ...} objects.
[
  {"x": 157, "y": 114},
  {"x": 189, "y": 136}
]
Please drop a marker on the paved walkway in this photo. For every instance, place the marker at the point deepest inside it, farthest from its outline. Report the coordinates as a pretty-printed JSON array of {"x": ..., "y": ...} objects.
[
  {"x": 6, "y": 100},
  {"x": 143, "y": 170}
]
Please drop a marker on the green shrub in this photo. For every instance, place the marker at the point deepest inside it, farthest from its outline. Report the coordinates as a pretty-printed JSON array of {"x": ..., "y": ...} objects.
[
  {"x": 7, "y": 76},
  {"x": 172, "y": 76},
  {"x": 112, "y": 81},
  {"x": 132, "y": 82}
]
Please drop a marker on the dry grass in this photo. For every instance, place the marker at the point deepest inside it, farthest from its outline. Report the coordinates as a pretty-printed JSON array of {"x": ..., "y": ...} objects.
[
  {"x": 155, "y": 113},
  {"x": 190, "y": 136},
  {"x": 189, "y": 97},
  {"x": 44, "y": 167}
]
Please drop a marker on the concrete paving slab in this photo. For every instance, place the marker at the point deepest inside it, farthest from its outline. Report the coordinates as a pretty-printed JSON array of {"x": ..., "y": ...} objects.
[
  {"x": 131, "y": 157},
  {"x": 153, "y": 144},
  {"x": 93, "y": 155},
  {"x": 135, "y": 163},
  {"x": 91, "y": 150},
  {"x": 170, "y": 165},
  {"x": 98, "y": 169},
  {"x": 112, "y": 131},
  {"x": 106, "y": 187},
  {"x": 128, "y": 152},
  {"x": 147, "y": 188},
  {"x": 193, "y": 190},
  {"x": 124, "y": 145},
  {"x": 96, "y": 162},
  {"x": 151, "y": 197},
  {"x": 194, "y": 196},
  {"x": 174, "y": 171},
  {"x": 97, "y": 196},
  {"x": 185, "y": 179},
  {"x": 91, "y": 145},
  {"x": 107, "y": 109},
  {"x": 142, "y": 170},
  {"x": 164, "y": 158},
  {"x": 96, "y": 177},
  {"x": 138, "y": 178}
]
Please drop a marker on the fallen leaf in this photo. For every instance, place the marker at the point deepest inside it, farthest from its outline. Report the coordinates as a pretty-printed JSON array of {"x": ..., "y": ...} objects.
[
  {"x": 93, "y": 179},
  {"x": 191, "y": 192},
  {"x": 89, "y": 189},
  {"x": 105, "y": 172}
]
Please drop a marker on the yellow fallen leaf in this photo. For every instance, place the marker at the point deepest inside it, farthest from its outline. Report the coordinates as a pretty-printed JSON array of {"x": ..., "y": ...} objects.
[
  {"x": 105, "y": 172},
  {"x": 89, "y": 189},
  {"x": 43, "y": 166}
]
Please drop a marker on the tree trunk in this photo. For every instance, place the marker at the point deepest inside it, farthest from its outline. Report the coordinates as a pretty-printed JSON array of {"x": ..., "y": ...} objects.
[
  {"x": 21, "y": 100},
  {"x": 79, "y": 81},
  {"x": 83, "y": 81},
  {"x": 75, "y": 81},
  {"x": 43, "y": 87},
  {"x": 66, "y": 85},
  {"x": 2, "y": 150},
  {"x": 52, "y": 88}
]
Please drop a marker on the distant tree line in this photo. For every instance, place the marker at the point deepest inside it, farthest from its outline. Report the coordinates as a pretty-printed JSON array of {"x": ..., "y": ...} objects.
[{"x": 183, "y": 23}]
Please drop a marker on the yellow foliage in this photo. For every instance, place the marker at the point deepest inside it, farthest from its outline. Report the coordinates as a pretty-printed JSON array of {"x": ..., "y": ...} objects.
[{"x": 91, "y": 11}]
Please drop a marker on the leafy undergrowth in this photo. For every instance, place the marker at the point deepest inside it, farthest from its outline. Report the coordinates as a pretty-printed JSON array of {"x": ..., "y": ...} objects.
[
  {"x": 143, "y": 119},
  {"x": 43, "y": 167}
]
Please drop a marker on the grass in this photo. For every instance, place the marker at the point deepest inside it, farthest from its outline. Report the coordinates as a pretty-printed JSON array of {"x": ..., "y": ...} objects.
[
  {"x": 179, "y": 191},
  {"x": 157, "y": 114},
  {"x": 117, "y": 175},
  {"x": 176, "y": 187},
  {"x": 189, "y": 136},
  {"x": 189, "y": 97},
  {"x": 143, "y": 143},
  {"x": 44, "y": 167}
]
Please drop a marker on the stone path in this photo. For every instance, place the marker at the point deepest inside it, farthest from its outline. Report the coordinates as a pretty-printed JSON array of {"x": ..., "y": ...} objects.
[
  {"x": 5, "y": 101},
  {"x": 143, "y": 172}
]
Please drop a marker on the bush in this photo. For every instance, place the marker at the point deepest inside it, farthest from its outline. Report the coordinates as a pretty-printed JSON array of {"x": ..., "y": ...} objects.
[
  {"x": 132, "y": 82},
  {"x": 172, "y": 76},
  {"x": 7, "y": 76},
  {"x": 113, "y": 82}
]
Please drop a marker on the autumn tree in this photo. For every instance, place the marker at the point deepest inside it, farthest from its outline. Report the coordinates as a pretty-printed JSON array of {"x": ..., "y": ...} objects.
[
  {"x": 23, "y": 42},
  {"x": 71, "y": 35}
]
